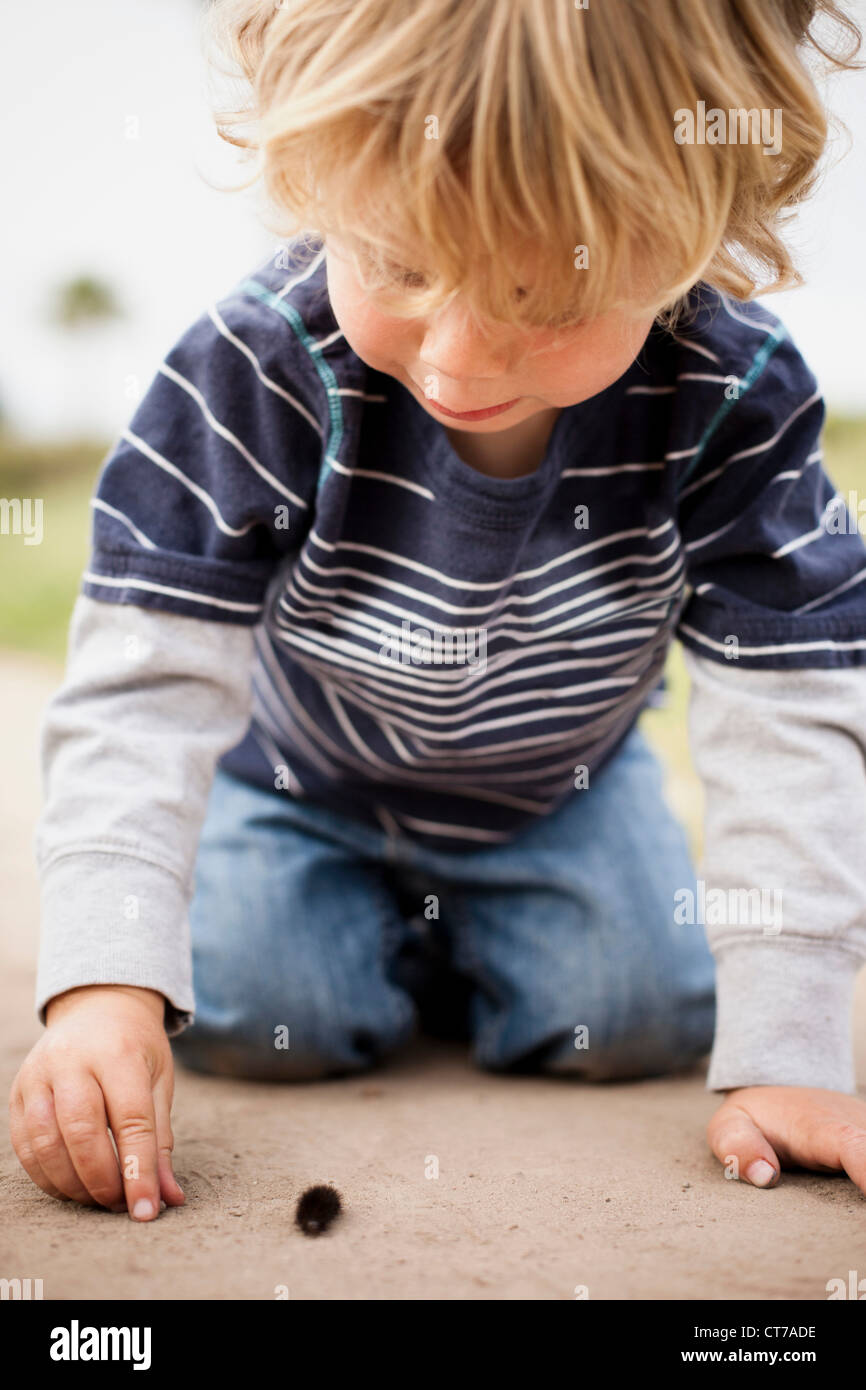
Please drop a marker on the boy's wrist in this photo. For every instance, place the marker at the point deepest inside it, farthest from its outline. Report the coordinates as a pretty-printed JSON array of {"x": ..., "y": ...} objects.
[{"x": 84, "y": 996}]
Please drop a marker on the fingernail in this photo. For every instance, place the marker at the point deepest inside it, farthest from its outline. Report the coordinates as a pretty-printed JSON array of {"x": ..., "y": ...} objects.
[
  {"x": 761, "y": 1173},
  {"x": 143, "y": 1210},
  {"x": 162, "y": 1204}
]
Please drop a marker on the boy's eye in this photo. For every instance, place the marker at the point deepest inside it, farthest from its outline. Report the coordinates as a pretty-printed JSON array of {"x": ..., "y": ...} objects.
[
  {"x": 561, "y": 322},
  {"x": 417, "y": 280},
  {"x": 565, "y": 321}
]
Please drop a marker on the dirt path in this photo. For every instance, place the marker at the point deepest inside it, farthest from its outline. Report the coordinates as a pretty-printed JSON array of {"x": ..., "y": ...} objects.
[{"x": 543, "y": 1185}]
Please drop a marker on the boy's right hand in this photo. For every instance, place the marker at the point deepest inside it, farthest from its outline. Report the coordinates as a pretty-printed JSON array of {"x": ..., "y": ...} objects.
[{"x": 104, "y": 1062}]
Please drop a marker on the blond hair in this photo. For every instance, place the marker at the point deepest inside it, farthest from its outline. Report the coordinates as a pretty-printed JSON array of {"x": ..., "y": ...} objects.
[{"x": 450, "y": 143}]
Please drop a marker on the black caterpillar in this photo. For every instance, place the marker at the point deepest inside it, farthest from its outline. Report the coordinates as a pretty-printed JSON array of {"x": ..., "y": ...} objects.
[{"x": 317, "y": 1208}]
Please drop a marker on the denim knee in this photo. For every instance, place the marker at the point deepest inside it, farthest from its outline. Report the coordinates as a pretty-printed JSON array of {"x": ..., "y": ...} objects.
[
  {"x": 674, "y": 1036},
  {"x": 307, "y": 1046},
  {"x": 642, "y": 1052}
]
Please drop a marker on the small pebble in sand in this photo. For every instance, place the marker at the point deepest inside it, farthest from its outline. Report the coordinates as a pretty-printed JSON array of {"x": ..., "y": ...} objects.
[{"x": 317, "y": 1208}]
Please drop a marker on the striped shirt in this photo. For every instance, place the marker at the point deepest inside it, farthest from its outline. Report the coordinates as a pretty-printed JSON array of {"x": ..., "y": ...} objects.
[{"x": 445, "y": 654}]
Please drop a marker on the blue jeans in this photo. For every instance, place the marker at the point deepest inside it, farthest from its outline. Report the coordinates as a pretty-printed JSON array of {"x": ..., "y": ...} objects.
[{"x": 320, "y": 944}]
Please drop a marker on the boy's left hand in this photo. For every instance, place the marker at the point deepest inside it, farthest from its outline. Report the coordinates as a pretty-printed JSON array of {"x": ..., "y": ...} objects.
[{"x": 767, "y": 1128}]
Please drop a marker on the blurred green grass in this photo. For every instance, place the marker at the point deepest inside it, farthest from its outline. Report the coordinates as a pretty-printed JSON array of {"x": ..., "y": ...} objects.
[{"x": 39, "y": 582}]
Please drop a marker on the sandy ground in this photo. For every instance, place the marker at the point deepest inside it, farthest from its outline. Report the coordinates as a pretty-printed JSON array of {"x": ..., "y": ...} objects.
[{"x": 544, "y": 1185}]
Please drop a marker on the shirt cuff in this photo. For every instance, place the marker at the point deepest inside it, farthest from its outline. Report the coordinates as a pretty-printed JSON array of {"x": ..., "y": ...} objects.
[
  {"x": 110, "y": 918},
  {"x": 783, "y": 1016}
]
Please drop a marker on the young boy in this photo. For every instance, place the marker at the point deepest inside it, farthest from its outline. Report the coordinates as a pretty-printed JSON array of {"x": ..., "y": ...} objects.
[{"x": 388, "y": 562}]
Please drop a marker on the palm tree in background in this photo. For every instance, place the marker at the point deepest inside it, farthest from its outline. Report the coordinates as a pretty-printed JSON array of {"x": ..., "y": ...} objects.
[
  {"x": 83, "y": 301},
  {"x": 84, "y": 309}
]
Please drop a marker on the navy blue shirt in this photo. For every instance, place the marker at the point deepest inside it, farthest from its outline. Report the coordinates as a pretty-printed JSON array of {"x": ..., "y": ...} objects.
[{"x": 447, "y": 654}]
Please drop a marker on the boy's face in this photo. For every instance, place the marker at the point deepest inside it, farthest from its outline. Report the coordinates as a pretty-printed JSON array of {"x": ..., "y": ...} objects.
[{"x": 460, "y": 372}]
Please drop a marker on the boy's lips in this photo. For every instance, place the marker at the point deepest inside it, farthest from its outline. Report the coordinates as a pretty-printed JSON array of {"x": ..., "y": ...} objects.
[{"x": 483, "y": 414}]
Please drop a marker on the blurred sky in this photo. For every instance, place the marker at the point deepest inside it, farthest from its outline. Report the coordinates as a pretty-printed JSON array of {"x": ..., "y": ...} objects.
[{"x": 85, "y": 193}]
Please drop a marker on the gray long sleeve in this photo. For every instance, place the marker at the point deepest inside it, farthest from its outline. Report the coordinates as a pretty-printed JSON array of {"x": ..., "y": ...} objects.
[
  {"x": 129, "y": 744},
  {"x": 782, "y": 756}
]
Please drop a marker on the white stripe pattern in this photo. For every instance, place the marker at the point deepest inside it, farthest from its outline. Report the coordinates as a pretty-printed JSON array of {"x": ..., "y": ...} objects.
[
  {"x": 266, "y": 381},
  {"x": 197, "y": 491},
  {"x": 110, "y": 581},
  {"x": 142, "y": 539},
  {"x": 231, "y": 438}
]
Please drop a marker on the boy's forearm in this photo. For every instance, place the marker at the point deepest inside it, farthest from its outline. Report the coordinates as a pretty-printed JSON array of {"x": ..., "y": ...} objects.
[
  {"x": 129, "y": 743},
  {"x": 781, "y": 755},
  {"x": 111, "y": 918}
]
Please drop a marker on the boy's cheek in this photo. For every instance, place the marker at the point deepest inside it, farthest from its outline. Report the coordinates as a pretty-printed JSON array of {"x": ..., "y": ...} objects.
[
  {"x": 591, "y": 364},
  {"x": 381, "y": 342},
  {"x": 582, "y": 377}
]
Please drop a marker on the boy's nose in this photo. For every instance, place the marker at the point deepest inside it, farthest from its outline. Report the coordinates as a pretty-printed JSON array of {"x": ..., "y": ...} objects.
[{"x": 457, "y": 349}]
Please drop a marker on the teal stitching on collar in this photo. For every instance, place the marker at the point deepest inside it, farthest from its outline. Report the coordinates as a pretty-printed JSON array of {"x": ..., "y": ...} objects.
[
  {"x": 759, "y": 362},
  {"x": 326, "y": 375}
]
